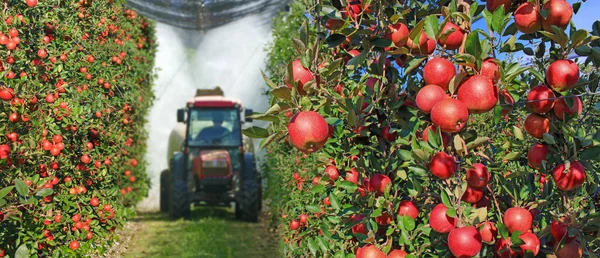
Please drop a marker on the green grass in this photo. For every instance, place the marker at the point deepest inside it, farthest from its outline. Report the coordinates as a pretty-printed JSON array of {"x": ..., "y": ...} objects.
[{"x": 211, "y": 232}]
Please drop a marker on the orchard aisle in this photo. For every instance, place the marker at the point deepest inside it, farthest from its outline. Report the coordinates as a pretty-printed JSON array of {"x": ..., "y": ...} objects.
[{"x": 212, "y": 232}]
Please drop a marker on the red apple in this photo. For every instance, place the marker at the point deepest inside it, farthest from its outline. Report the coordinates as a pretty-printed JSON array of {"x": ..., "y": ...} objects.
[
  {"x": 301, "y": 75},
  {"x": 390, "y": 137},
  {"x": 562, "y": 75},
  {"x": 428, "y": 96},
  {"x": 450, "y": 115},
  {"x": 454, "y": 40},
  {"x": 528, "y": 18},
  {"x": 493, "y": 4},
  {"x": 478, "y": 176},
  {"x": 410, "y": 44},
  {"x": 397, "y": 254},
  {"x": 408, "y": 208},
  {"x": 294, "y": 225},
  {"x": 537, "y": 153},
  {"x": 559, "y": 230},
  {"x": 517, "y": 219},
  {"x": 559, "y": 14},
  {"x": 570, "y": 179},
  {"x": 399, "y": 34},
  {"x": 352, "y": 176},
  {"x": 439, "y": 71},
  {"x": 378, "y": 182},
  {"x": 332, "y": 172},
  {"x": 472, "y": 195},
  {"x": 464, "y": 241},
  {"x": 532, "y": 243},
  {"x": 369, "y": 251},
  {"x": 479, "y": 94},
  {"x": 490, "y": 68},
  {"x": 540, "y": 99},
  {"x": 572, "y": 249},
  {"x": 439, "y": 221},
  {"x": 488, "y": 231},
  {"x": 443, "y": 165},
  {"x": 503, "y": 249},
  {"x": 537, "y": 125},
  {"x": 561, "y": 107},
  {"x": 308, "y": 131}
]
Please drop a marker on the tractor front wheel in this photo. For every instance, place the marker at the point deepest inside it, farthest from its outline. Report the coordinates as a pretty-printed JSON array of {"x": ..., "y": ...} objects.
[
  {"x": 249, "y": 202},
  {"x": 164, "y": 190}
]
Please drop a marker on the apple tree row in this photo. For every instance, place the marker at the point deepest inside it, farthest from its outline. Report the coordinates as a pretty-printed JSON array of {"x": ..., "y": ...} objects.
[
  {"x": 436, "y": 128},
  {"x": 75, "y": 86}
]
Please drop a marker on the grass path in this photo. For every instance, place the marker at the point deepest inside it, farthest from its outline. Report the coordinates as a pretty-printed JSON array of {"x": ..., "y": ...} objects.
[{"x": 211, "y": 232}]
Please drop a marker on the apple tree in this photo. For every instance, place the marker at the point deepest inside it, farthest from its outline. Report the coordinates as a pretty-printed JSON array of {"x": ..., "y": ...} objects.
[{"x": 427, "y": 128}]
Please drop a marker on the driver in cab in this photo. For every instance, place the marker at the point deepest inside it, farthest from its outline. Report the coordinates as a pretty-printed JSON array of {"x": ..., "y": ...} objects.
[{"x": 216, "y": 131}]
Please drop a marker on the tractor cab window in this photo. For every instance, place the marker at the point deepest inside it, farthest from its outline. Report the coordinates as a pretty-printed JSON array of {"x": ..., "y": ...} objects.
[{"x": 214, "y": 127}]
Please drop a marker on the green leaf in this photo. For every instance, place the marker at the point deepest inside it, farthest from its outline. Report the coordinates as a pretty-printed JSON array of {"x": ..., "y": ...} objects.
[
  {"x": 446, "y": 199},
  {"x": 578, "y": 37},
  {"x": 512, "y": 156},
  {"x": 5, "y": 191},
  {"x": 268, "y": 81},
  {"x": 313, "y": 208},
  {"x": 451, "y": 212},
  {"x": 334, "y": 201},
  {"x": 498, "y": 19},
  {"x": 576, "y": 7},
  {"x": 256, "y": 132},
  {"x": 317, "y": 189},
  {"x": 282, "y": 92},
  {"x": 472, "y": 45},
  {"x": 412, "y": 64},
  {"x": 518, "y": 133},
  {"x": 549, "y": 139},
  {"x": 381, "y": 42},
  {"x": 415, "y": 33},
  {"x": 502, "y": 230},
  {"x": 477, "y": 142},
  {"x": 592, "y": 153},
  {"x": 304, "y": 33},
  {"x": 22, "y": 252},
  {"x": 408, "y": 223},
  {"x": 431, "y": 26},
  {"x": 347, "y": 185},
  {"x": 312, "y": 246},
  {"x": 44, "y": 192},
  {"x": 335, "y": 40},
  {"x": 359, "y": 59},
  {"x": 22, "y": 188}
]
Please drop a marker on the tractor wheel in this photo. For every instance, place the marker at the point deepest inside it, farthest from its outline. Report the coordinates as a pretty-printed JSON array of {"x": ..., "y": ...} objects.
[
  {"x": 238, "y": 211},
  {"x": 179, "y": 203},
  {"x": 249, "y": 201},
  {"x": 164, "y": 190},
  {"x": 179, "y": 206},
  {"x": 260, "y": 190}
]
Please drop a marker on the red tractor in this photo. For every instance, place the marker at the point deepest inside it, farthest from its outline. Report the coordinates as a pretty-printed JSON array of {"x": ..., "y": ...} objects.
[{"x": 210, "y": 161}]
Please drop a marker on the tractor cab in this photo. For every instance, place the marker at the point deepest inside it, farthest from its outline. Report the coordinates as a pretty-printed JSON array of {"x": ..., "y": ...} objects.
[
  {"x": 214, "y": 141},
  {"x": 215, "y": 163}
]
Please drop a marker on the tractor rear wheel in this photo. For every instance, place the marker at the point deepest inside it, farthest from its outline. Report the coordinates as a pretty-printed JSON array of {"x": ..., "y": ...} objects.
[
  {"x": 179, "y": 203},
  {"x": 179, "y": 206},
  {"x": 249, "y": 201},
  {"x": 164, "y": 190}
]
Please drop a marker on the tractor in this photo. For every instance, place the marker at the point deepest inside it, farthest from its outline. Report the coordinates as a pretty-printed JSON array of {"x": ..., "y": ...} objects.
[{"x": 210, "y": 161}]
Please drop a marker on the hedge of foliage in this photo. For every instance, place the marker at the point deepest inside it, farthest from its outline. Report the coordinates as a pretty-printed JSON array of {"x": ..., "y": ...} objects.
[
  {"x": 75, "y": 86},
  {"x": 358, "y": 193}
]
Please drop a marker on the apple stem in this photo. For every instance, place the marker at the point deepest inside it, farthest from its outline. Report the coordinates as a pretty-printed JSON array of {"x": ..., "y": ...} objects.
[{"x": 496, "y": 203}]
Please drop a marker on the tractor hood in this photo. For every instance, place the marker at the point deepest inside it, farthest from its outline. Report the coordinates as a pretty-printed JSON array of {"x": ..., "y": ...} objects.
[{"x": 212, "y": 164}]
